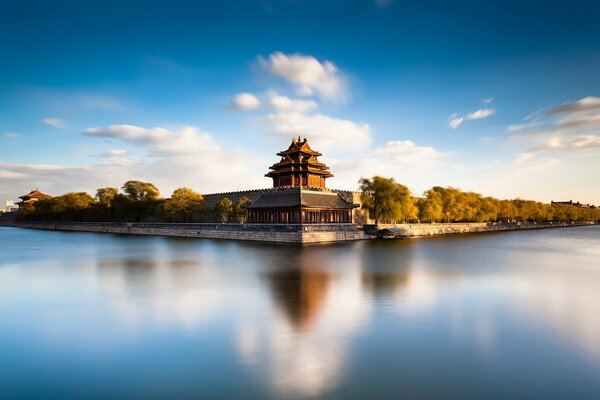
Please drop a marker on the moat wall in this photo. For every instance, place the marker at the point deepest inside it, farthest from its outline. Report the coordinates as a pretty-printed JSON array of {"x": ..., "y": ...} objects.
[
  {"x": 290, "y": 233},
  {"x": 421, "y": 230},
  {"x": 284, "y": 233}
]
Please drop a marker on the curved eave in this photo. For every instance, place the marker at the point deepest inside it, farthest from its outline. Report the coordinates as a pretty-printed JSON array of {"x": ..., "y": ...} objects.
[{"x": 303, "y": 151}]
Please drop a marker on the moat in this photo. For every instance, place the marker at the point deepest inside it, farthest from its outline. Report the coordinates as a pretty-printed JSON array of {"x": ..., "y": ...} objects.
[{"x": 499, "y": 315}]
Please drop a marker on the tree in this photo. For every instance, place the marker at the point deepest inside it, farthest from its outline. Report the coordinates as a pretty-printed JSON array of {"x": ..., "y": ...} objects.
[
  {"x": 106, "y": 196},
  {"x": 43, "y": 209},
  {"x": 386, "y": 200},
  {"x": 240, "y": 213},
  {"x": 106, "y": 200},
  {"x": 141, "y": 195},
  {"x": 139, "y": 191},
  {"x": 223, "y": 209},
  {"x": 430, "y": 208},
  {"x": 72, "y": 205},
  {"x": 183, "y": 203}
]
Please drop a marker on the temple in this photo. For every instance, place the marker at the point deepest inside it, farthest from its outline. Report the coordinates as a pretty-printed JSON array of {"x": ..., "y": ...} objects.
[
  {"x": 299, "y": 167},
  {"x": 31, "y": 197},
  {"x": 300, "y": 196}
]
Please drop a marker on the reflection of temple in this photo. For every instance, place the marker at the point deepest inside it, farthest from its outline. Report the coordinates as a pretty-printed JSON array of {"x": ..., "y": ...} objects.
[
  {"x": 299, "y": 290},
  {"x": 31, "y": 197},
  {"x": 300, "y": 294},
  {"x": 300, "y": 195}
]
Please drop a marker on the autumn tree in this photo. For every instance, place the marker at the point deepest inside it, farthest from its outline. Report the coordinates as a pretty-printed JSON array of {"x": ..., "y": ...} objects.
[
  {"x": 240, "y": 213},
  {"x": 223, "y": 209},
  {"x": 184, "y": 203},
  {"x": 141, "y": 195},
  {"x": 106, "y": 201},
  {"x": 386, "y": 200},
  {"x": 430, "y": 207},
  {"x": 72, "y": 206}
]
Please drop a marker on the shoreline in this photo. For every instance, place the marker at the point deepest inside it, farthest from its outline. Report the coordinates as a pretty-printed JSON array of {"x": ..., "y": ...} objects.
[{"x": 291, "y": 233}]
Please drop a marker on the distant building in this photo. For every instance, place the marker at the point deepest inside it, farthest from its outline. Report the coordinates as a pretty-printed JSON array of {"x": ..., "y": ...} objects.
[
  {"x": 574, "y": 204},
  {"x": 10, "y": 206},
  {"x": 31, "y": 197}
]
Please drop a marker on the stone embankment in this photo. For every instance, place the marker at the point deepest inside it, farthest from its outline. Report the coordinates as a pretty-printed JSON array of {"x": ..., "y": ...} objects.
[
  {"x": 402, "y": 231},
  {"x": 285, "y": 233},
  {"x": 289, "y": 233}
]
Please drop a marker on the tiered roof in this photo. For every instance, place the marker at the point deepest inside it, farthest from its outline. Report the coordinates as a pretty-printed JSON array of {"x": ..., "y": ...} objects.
[
  {"x": 299, "y": 158},
  {"x": 300, "y": 198}
]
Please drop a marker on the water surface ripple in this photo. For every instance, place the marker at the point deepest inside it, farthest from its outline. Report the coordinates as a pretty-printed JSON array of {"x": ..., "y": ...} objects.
[{"x": 485, "y": 316}]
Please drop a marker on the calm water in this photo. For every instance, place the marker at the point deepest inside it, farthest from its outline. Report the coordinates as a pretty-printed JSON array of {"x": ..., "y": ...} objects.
[{"x": 499, "y": 316}]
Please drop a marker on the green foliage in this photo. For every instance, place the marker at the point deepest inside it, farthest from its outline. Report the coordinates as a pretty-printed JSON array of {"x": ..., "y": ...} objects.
[
  {"x": 386, "y": 200},
  {"x": 183, "y": 204},
  {"x": 68, "y": 207},
  {"x": 143, "y": 196},
  {"x": 28, "y": 210},
  {"x": 240, "y": 213},
  {"x": 138, "y": 191},
  {"x": 106, "y": 196},
  {"x": 223, "y": 209}
]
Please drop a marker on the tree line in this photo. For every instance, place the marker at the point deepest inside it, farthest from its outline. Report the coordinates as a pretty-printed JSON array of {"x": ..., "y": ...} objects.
[
  {"x": 136, "y": 201},
  {"x": 383, "y": 199},
  {"x": 387, "y": 201}
]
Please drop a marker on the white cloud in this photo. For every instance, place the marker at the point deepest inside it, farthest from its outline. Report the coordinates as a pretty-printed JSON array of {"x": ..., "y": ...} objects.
[
  {"x": 403, "y": 160},
  {"x": 171, "y": 159},
  {"x": 527, "y": 162},
  {"x": 575, "y": 143},
  {"x": 116, "y": 152},
  {"x": 10, "y": 135},
  {"x": 572, "y": 126},
  {"x": 456, "y": 121},
  {"x": 487, "y": 100},
  {"x": 483, "y": 113},
  {"x": 245, "y": 102},
  {"x": 589, "y": 103},
  {"x": 324, "y": 132},
  {"x": 55, "y": 122},
  {"x": 284, "y": 103},
  {"x": 309, "y": 75},
  {"x": 187, "y": 157}
]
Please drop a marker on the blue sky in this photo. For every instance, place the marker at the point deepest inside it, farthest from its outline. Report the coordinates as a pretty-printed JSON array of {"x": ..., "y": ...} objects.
[{"x": 500, "y": 98}]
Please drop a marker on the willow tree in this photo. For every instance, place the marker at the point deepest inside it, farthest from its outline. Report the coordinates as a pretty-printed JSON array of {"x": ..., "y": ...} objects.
[
  {"x": 431, "y": 207},
  {"x": 386, "y": 200},
  {"x": 141, "y": 195},
  {"x": 184, "y": 203}
]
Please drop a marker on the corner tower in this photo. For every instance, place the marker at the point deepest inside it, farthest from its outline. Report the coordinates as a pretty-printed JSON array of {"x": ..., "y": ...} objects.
[{"x": 299, "y": 167}]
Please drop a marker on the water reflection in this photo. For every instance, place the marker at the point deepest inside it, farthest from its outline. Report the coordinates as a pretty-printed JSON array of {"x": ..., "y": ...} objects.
[
  {"x": 157, "y": 291},
  {"x": 319, "y": 312},
  {"x": 288, "y": 321}
]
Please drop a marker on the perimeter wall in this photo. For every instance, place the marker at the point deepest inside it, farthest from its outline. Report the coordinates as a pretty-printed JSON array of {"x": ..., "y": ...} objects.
[{"x": 285, "y": 233}]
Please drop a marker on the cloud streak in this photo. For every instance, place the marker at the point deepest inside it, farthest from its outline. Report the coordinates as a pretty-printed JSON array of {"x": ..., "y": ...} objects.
[
  {"x": 55, "y": 122},
  {"x": 456, "y": 121}
]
